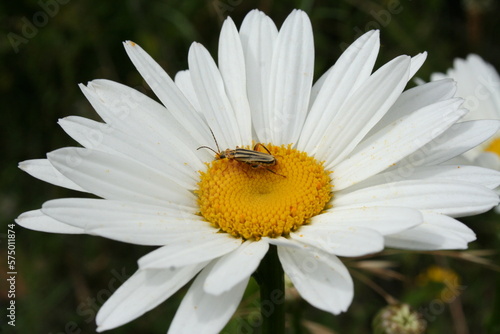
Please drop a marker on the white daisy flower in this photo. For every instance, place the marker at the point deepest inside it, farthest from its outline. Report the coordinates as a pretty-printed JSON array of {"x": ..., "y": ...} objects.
[
  {"x": 345, "y": 181},
  {"x": 478, "y": 83}
]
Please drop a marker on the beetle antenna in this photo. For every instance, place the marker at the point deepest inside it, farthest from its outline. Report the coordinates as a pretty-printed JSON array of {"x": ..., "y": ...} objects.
[
  {"x": 211, "y": 149},
  {"x": 215, "y": 140}
]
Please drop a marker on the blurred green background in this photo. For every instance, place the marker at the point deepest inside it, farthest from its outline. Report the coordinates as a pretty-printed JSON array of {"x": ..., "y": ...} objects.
[{"x": 49, "y": 46}]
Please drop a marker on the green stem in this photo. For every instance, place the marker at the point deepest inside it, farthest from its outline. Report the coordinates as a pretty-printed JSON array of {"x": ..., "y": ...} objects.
[{"x": 272, "y": 293}]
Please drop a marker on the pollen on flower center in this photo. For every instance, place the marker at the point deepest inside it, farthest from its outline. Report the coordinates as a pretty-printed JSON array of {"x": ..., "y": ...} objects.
[
  {"x": 494, "y": 146},
  {"x": 253, "y": 202}
]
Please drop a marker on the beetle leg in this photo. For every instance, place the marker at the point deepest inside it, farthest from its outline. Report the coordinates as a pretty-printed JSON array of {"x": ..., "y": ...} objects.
[{"x": 275, "y": 172}]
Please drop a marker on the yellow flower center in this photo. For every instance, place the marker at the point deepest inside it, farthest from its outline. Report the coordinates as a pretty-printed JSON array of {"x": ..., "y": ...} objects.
[
  {"x": 437, "y": 274},
  {"x": 494, "y": 146},
  {"x": 253, "y": 202}
]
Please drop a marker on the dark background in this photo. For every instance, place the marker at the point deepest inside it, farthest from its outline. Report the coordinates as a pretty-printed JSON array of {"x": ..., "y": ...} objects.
[{"x": 48, "y": 47}]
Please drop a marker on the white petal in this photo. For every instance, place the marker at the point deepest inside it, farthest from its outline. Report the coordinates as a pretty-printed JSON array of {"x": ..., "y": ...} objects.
[
  {"x": 437, "y": 232},
  {"x": 144, "y": 119},
  {"x": 452, "y": 198},
  {"x": 478, "y": 83},
  {"x": 318, "y": 85},
  {"x": 488, "y": 160},
  {"x": 320, "y": 278},
  {"x": 340, "y": 240},
  {"x": 168, "y": 92},
  {"x": 477, "y": 175},
  {"x": 352, "y": 68},
  {"x": 131, "y": 111},
  {"x": 363, "y": 110},
  {"x": 185, "y": 84},
  {"x": 458, "y": 139},
  {"x": 215, "y": 105},
  {"x": 354, "y": 48},
  {"x": 232, "y": 69},
  {"x": 452, "y": 225},
  {"x": 434, "y": 77},
  {"x": 91, "y": 134},
  {"x": 417, "y": 62},
  {"x": 87, "y": 132},
  {"x": 285, "y": 242},
  {"x": 118, "y": 178},
  {"x": 235, "y": 267},
  {"x": 201, "y": 312},
  {"x": 190, "y": 249},
  {"x": 142, "y": 292},
  {"x": 37, "y": 221},
  {"x": 396, "y": 141},
  {"x": 128, "y": 222},
  {"x": 384, "y": 220},
  {"x": 291, "y": 78},
  {"x": 43, "y": 170},
  {"x": 416, "y": 98},
  {"x": 258, "y": 35}
]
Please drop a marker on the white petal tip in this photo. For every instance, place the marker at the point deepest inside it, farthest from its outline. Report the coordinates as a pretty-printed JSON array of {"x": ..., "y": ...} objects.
[
  {"x": 129, "y": 43},
  {"x": 371, "y": 34},
  {"x": 102, "y": 328},
  {"x": 103, "y": 325},
  {"x": 228, "y": 20},
  {"x": 50, "y": 155}
]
